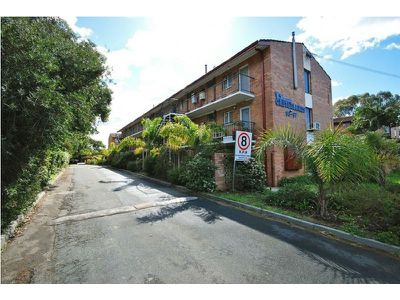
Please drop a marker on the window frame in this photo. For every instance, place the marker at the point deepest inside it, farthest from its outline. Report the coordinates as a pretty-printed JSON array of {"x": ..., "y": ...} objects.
[
  {"x": 309, "y": 117},
  {"x": 307, "y": 83},
  {"x": 227, "y": 82},
  {"x": 230, "y": 113}
]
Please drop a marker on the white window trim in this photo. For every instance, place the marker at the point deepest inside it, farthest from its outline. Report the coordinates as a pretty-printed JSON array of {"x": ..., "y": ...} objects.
[
  {"x": 229, "y": 82},
  {"x": 248, "y": 74},
  {"x": 231, "y": 117},
  {"x": 242, "y": 108}
]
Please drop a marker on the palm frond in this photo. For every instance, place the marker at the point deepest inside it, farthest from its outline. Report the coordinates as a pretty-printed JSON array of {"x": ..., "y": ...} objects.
[{"x": 282, "y": 137}]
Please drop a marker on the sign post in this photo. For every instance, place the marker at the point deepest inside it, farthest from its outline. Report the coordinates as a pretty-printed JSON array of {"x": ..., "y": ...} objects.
[{"x": 242, "y": 150}]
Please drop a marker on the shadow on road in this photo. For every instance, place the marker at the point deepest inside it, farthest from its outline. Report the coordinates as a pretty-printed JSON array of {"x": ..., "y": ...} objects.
[
  {"x": 167, "y": 212},
  {"x": 351, "y": 264}
]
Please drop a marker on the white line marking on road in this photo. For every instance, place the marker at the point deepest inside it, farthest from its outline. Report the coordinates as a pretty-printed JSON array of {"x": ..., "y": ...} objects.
[{"x": 119, "y": 210}]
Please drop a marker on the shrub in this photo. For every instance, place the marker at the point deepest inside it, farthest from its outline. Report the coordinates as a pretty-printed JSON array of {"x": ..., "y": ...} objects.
[
  {"x": 390, "y": 237},
  {"x": 134, "y": 166},
  {"x": 199, "y": 174},
  {"x": 149, "y": 165},
  {"x": 303, "y": 179},
  {"x": 295, "y": 196},
  {"x": 374, "y": 207},
  {"x": 19, "y": 195},
  {"x": 175, "y": 176},
  {"x": 162, "y": 166},
  {"x": 249, "y": 176},
  {"x": 120, "y": 160}
]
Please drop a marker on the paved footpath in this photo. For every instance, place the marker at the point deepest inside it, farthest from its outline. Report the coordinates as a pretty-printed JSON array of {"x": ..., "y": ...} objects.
[{"x": 98, "y": 225}]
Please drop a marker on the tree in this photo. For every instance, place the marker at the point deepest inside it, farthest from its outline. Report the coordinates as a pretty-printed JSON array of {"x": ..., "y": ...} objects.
[
  {"x": 152, "y": 140},
  {"x": 184, "y": 132},
  {"x": 376, "y": 111},
  {"x": 333, "y": 157},
  {"x": 345, "y": 107},
  {"x": 387, "y": 152},
  {"x": 370, "y": 112},
  {"x": 54, "y": 87}
]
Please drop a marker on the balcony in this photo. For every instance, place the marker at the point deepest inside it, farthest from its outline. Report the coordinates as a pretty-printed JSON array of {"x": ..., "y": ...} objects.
[
  {"x": 228, "y": 132},
  {"x": 231, "y": 91}
]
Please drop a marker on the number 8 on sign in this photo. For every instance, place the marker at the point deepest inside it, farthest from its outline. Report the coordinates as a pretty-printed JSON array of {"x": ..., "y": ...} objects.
[{"x": 243, "y": 145}]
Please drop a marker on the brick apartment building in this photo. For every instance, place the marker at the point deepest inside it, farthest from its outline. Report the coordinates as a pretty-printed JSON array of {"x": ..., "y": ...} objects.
[{"x": 266, "y": 85}]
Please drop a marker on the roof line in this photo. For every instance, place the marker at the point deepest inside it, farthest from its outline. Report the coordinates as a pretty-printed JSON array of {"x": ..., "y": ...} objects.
[{"x": 253, "y": 44}]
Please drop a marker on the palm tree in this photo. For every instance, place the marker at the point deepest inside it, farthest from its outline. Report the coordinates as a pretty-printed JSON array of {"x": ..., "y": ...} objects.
[
  {"x": 334, "y": 157},
  {"x": 184, "y": 132}
]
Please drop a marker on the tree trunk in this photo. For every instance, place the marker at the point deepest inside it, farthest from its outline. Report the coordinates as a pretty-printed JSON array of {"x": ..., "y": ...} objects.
[
  {"x": 179, "y": 159},
  {"x": 322, "y": 201}
]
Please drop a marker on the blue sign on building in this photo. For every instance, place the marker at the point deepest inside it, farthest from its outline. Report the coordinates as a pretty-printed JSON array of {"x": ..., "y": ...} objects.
[{"x": 288, "y": 103}]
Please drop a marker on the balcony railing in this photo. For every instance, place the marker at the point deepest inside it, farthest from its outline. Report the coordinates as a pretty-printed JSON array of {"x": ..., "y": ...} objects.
[
  {"x": 232, "y": 90},
  {"x": 235, "y": 83},
  {"x": 229, "y": 130}
]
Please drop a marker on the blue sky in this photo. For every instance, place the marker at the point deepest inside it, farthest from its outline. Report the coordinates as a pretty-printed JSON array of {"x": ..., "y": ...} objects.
[{"x": 152, "y": 58}]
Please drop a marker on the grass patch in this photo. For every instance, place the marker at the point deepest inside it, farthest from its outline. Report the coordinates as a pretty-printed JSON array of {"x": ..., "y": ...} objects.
[
  {"x": 394, "y": 177},
  {"x": 257, "y": 199}
]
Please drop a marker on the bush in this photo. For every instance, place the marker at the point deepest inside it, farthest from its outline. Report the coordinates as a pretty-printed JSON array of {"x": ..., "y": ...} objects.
[
  {"x": 175, "y": 176},
  {"x": 162, "y": 166},
  {"x": 374, "y": 208},
  {"x": 393, "y": 187},
  {"x": 199, "y": 174},
  {"x": 134, "y": 166},
  {"x": 149, "y": 165},
  {"x": 250, "y": 175},
  {"x": 303, "y": 179},
  {"x": 96, "y": 160},
  {"x": 295, "y": 196},
  {"x": 18, "y": 196},
  {"x": 120, "y": 160}
]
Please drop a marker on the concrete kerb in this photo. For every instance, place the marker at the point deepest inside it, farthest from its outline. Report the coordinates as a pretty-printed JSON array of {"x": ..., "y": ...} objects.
[
  {"x": 336, "y": 233},
  {"x": 10, "y": 231},
  {"x": 309, "y": 225}
]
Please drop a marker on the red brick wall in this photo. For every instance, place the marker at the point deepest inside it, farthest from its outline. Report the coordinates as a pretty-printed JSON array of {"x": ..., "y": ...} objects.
[{"x": 282, "y": 81}]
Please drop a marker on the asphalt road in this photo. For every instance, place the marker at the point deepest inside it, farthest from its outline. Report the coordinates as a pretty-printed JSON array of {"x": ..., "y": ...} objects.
[{"x": 76, "y": 237}]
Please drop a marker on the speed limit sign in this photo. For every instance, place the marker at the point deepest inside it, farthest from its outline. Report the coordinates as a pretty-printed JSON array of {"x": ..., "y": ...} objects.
[{"x": 243, "y": 145}]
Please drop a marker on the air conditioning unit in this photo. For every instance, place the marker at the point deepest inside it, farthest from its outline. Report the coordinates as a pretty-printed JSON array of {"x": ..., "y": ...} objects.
[
  {"x": 202, "y": 95},
  {"x": 194, "y": 98},
  {"x": 316, "y": 126}
]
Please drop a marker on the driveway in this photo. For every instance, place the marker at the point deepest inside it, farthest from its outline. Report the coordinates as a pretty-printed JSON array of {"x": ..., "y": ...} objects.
[{"x": 98, "y": 225}]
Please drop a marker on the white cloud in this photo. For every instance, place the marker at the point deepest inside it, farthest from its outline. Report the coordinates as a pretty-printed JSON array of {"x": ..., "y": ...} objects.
[
  {"x": 336, "y": 83},
  {"x": 350, "y": 35},
  {"x": 393, "y": 46},
  {"x": 83, "y": 32},
  {"x": 160, "y": 60}
]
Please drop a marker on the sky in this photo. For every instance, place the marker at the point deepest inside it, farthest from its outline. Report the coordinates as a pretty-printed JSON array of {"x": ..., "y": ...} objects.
[{"x": 151, "y": 58}]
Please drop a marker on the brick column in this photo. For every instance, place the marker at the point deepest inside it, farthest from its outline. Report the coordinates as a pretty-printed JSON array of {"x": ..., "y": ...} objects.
[{"x": 220, "y": 171}]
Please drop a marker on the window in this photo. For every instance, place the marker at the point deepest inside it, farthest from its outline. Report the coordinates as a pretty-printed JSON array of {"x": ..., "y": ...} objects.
[
  {"x": 228, "y": 117},
  {"x": 245, "y": 118},
  {"x": 309, "y": 117},
  {"x": 227, "y": 83},
  {"x": 307, "y": 81}
]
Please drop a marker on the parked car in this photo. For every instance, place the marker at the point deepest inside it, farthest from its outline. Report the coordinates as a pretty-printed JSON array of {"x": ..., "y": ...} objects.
[{"x": 73, "y": 161}]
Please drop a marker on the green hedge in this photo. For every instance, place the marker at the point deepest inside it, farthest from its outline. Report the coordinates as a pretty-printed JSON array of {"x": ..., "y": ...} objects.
[
  {"x": 199, "y": 174},
  {"x": 294, "y": 196},
  {"x": 18, "y": 196}
]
